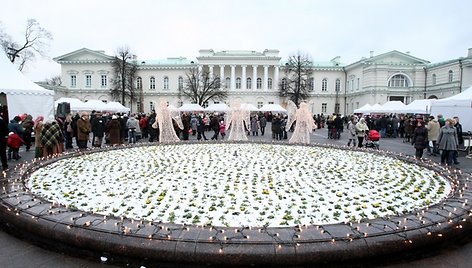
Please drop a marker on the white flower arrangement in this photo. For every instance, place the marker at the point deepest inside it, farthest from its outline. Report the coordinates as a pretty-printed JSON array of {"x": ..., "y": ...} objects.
[{"x": 230, "y": 184}]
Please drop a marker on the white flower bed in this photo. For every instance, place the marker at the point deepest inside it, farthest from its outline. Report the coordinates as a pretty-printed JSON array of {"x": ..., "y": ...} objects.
[{"x": 239, "y": 184}]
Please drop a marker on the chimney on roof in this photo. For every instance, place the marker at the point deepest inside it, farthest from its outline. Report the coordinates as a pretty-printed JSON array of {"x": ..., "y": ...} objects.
[
  {"x": 371, "y": 53},
  {"x": 469, "y": 54}
]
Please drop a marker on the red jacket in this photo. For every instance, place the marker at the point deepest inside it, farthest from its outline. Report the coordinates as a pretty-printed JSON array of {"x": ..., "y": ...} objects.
[{"x": 14, "y": 141}]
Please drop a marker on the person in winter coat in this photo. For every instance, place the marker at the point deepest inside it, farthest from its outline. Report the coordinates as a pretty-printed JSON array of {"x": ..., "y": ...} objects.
[
  {"x": 69, "y": 131},
  {"x": 254, "y": 126},
  {"x": 113, "y": 129},
  {"x": 14, "y": 144},
  {"x": 448, "y": 142},
  {"x": 361, "y": 130},
  {"x": 262, "y": 124},
  {"x": 460, "y": 138},
  {"x": 133, "y": 127},
  {"x": 15, "y": 126},
  {"x": 351, "y": 127},
  {"x": 222, "y": 129},
  {"x": 98, "y": 130},
  {"x": 201, "y": 129},
  {"x": 38, "y": 128},
  {"x": 51, "y": 136},
  {"x": 28, "y": 127},
  {"x": 214, "y": 124},
  {"x": 83, "y": 130},
  {"x": 433, "y": 133},
  {"x": 420, "y": 139}
]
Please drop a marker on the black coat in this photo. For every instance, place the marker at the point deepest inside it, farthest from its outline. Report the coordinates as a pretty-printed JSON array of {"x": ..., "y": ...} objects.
[
  {"x": 420, "y": 138},
  {"x": 98, "y": 126}
]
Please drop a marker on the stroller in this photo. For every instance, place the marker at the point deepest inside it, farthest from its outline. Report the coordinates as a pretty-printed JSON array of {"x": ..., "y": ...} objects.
[{"x": 372, "y": 139}]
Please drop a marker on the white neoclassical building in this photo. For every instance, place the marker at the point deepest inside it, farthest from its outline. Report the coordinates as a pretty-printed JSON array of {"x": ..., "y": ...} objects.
[{"x": 253, "y": 77}]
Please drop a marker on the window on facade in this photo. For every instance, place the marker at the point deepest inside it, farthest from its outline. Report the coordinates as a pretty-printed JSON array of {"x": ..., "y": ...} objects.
[
  {"x": 249, "y": 83},
  {"x": 269, "y": 83},
  {"x": 151, "y": 106},
  {"x": 398, "y": 81},
  {"x": 284, "y": 83},
  {"x": 271, "y": 102},
  {"x": 139, "y": 83},
  {"x": 238, "y": 83},
  {"x": 138, "y": 106},
  {"x": 324, "y": 107},
  {"x": 217, "y": 83},
  {"x": 88, "y": 80},
  {"x": 73, "y": 81},
  {"x": 181, "y": 83},
  {"x": 311, "y": 84},
  {"x": 166, "y": 83},
  {"x": 347, "y": 108},
  {"x": 336, "y": 108},
  {"x": 434, "y": 79},
  {"x": 337, "y": 85},
  {"x": 324, "y": 84},
  {"x": 451, "y": 76},
  {"x": 181, "y": 103},
  {"x": 347, "y": 85},
  {"x": 205, "y": 104},
  {"x": 352, "y": 84},
  {"x": 259, "y": 83},
  {"x": 152, "y": 83},
  {"x": 228, "y": 82},
  {"x": 104, "y": 80},
  {"x": 259, "y": 104},
  {"x": 358, "y": 82}
]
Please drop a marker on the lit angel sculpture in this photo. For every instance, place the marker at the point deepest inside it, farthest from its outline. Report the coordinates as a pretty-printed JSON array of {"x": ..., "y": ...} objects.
[
  {"x": 164, "y": 117},
  {"x": 304, "y": 122},
  {"x": 238, "y": 119}
]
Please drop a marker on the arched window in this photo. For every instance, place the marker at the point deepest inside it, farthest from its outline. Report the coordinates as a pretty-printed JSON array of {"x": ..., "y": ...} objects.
[
  {"x": 451, "y": 76},
  {"x": 249, "y": 83},
  {"x": 152, "y": 83},
  {"x": 324, "y": 84},
  {"x": 238, "y": 83},
  {"x": 217, "y": 83},
  {"x": 180, "y": 83},
  {"x": 337, "y": 86},
  {"x": 434, "y": 79},
  {"x": 269, "y": 83},
  {"x": 166, "y": 83},
  {"x": 398, "y": 81},
  {"x": 259, "y": 83},
  {"x": 228, "y": 82},
  {"x": 139, "y": 83},
  {"x": 284, "y": 83},
  {"x": 311, "y": 84}
]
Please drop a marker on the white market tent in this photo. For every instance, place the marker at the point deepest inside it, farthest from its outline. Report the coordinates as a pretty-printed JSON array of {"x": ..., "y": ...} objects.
[
  {"x": 95, "y": 105},
  {"x": 391, "y": 107},
  {"x": 191, "y": 107},
  {"x": 217, "y": 107},
  {"x": 272, "y": 108},
  {"x": 363, "y": 109},
  {"x": 375, "y": 108},
  {"x": 22, "y": 95},
  {"x": 116, "y": 107},
  {"x": 249, "y": 107},
  {"x": 419, "y": 107},
  {"x": 459, "y": 105},
  {"x": 75, "y": 104}
]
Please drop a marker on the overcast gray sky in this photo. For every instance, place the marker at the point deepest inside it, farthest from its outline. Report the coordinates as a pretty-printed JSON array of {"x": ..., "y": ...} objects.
[{"x": 434, "y": 30}]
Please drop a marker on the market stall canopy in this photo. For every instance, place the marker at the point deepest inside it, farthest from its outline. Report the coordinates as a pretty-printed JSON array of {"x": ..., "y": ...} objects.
[
  {"x": 419, "y": 107},
  {"x": 75, "y": 104},
  {"x": 217, "y": 107},
  {"x": 23, "y": 95},
  {"x": 363, "y": 109},
  {"x": 459, "y": 105},
  {"x": 273, "y": 108},
  {"x": 391, "y": 107},
  {"x": 249, "y": 107},
  {"x": 172, "y": 107},
  {"x": 95, "y": 105},
  {"x": 191, "y": 107},
  {"x": 116, "y": 107}
]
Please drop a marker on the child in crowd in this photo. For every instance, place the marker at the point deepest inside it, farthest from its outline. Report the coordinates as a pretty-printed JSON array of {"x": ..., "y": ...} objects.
[
  {"x": 14, "y": 143},
  {"x": 222, "y": 129}
]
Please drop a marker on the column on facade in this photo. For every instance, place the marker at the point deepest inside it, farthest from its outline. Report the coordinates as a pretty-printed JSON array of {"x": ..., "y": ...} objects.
[
  {"x": 266, "y": 77},
  {"x": 210, "y": 70},
  {"x": 233, "y": 77},
  {"x": 222, "y": 75},
  {"x": 254, "y": 77},
  {"x": 243, "y": 78},
  {"x": 275, "y": 83}
]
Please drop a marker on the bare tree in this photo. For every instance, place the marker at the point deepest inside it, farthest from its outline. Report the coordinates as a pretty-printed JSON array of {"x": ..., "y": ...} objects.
[
  {"x": 298, "y": 70},
  {"x": 36, "y": 41},
  {"x": 54, "y": 81},
  {"x": 124, "y": 69},
  {"x": 200, "y": 87}
]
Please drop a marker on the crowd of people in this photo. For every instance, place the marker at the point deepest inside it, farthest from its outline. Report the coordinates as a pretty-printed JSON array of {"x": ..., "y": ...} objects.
[{"x": 55, "y": 135}]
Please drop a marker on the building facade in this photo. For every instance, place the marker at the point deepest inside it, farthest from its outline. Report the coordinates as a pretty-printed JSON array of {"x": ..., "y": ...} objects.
[{"x": 254, "y": 77}]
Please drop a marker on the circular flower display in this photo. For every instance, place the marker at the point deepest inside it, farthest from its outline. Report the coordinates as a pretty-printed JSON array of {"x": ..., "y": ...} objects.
[{"x": 230, "y": 184}]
